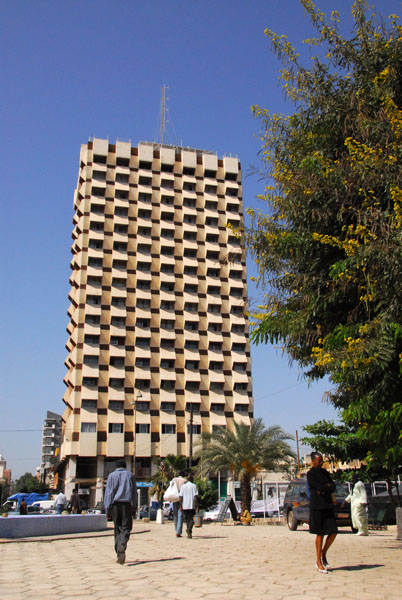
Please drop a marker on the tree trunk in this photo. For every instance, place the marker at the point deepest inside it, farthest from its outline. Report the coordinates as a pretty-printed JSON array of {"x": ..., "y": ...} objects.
[{"x": 245, "y": 490}]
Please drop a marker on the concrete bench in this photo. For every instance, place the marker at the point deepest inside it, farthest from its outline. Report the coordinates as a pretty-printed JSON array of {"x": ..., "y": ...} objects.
[{"x": 22, "y": 526}]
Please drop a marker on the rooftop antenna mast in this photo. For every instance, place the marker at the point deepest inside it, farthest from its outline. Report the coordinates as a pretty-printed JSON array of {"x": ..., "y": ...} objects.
[{"x": 163, "y": 112}]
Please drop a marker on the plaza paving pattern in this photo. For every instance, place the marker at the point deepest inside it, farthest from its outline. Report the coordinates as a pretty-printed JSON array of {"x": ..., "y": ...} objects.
[{"x": 220, "y": 562}]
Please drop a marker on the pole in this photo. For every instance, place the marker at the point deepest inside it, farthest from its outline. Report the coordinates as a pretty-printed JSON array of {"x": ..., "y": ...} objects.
[
  {"x": 190, "y": 462},
  {"x": 163, "y": 110},
  {"x": 219, "y": 486},
  {"x": 298, "y": 455}
]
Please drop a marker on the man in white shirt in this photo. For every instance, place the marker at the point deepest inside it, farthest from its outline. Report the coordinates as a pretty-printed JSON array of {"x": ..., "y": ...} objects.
[
  {"x": 189, "y": 503},
  {"x": 177, "y": 513},
  {"x": 60, "y": 503}
]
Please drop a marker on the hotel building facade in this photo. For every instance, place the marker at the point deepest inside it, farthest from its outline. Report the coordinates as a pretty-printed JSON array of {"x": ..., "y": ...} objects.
[{"x": 158, "y": 348}]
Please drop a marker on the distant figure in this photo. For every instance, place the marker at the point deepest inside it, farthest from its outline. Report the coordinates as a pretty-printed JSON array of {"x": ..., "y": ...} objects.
[
  {"x": 189, "y": 503},
  {"x": 322, "y": 517},
  {"x": 246, "y": 518},
  {"x": 177, "y": 513},
  {"x": 23, "y": 507},
  {"x": 75, "y": 502},
  {"x": 358, "y": 502},
  {"x": 121, "y": 502},
  {"x": 60, "y": 503}
]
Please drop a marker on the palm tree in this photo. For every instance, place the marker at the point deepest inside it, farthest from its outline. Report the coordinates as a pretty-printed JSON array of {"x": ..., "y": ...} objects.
[
  {"x": 168, "y": 467},
  {"x": 244, "y": 452}
]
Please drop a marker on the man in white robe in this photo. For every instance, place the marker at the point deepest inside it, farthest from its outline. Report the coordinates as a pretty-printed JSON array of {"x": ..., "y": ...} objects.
[{"x": 358, "y": 501}]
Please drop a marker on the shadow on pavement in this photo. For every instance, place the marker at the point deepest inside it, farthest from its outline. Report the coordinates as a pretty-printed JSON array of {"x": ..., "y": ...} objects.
[
  {"x": 135, "y": 563},
  {"x": 356, "y": 567},
  {"x": 209, "y": 537}
]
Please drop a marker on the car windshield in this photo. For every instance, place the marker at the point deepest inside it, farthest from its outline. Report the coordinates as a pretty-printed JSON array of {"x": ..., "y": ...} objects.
[{"x": 341, "y": 489}]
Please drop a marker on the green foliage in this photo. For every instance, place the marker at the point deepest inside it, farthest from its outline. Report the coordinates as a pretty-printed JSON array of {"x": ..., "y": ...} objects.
[
  {"x": 329, "y": 245},
  {"x": 168, "y": 467},
  {"x": 28, "y": 483},
  {"x": 244, "y": 451},
  {"x": 207, "y": 494}
]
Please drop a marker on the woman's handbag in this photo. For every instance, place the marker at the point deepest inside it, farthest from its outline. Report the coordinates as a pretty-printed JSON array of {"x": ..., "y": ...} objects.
[{"x": 172, "y": 493}]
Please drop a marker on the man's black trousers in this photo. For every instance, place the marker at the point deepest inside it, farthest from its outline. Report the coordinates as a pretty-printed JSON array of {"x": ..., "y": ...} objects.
[{"x": 122, "y": 514}]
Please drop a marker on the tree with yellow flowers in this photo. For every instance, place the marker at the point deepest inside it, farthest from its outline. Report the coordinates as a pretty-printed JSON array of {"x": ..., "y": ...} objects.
[{"x": 328, "y": 245}]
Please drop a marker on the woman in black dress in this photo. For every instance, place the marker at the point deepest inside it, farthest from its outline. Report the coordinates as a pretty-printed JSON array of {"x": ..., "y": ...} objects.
[{"x": 322, "y": 518}]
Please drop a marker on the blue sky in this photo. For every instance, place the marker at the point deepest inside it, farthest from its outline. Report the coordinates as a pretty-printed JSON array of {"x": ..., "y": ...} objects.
[{"x": 80, "y": 68}]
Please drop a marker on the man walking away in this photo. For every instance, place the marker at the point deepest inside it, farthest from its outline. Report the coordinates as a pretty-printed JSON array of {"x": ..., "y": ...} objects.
[
  {"x": 189, "y": 503},
  {"x": 75, "y": 502},
  {"x": 60, "y": 503},
  {"x": 121, "y": 502},
  {"x": 177, "y": 513}
]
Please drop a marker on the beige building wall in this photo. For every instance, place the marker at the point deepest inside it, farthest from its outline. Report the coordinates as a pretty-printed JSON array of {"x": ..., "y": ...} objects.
[{"x": 157, "y": 306}]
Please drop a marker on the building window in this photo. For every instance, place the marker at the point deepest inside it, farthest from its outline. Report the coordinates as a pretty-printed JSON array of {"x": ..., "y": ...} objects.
[
  {"x": 96, "y": 226},
  {"x": 168, "y": 428},
  {"x": 190, "y": 235},
  {"x": 191, "y": 306},
  {"x": 188, "y": 171},
  {"x": 117, "y": 361},
  {"x": 217, "y": 407},
  {"x": 116, "y": 382},
  {"x": 168, "y": 406},
  {"x": 115, "y": 427},
  {"x": 95, "y": 244},
  {"x": 216, "y": 386},
  {"x": 210, "y": 174},
  {"x": 94, "y": 280},
  {"x": 167, "y": 304},
  {"x": 214, "y": 290},
  {"x": 191, "y": 344},
  {"x": 240, "y": 385},
  {"x": 212, "y": 255},
  {"x": 214, "y": 308},
  {"x": 144, "y": 164},
  {"x": 142, "y": 427},
  {"x": 241, "y": 407},
  {"x": 168, "y": 200},
  {"x": 167, "y": 344},
  {"x": 188, "y": 270},
  {"x": 211, "y": 205},
  {"x": 120, "y": 246},
  {"x": 216, "y": 346},
  {"x": 190, "y": 252},
  {"x": 119, "y": 264},
  {"x": 212, "y": 238},
  {"x": 118, "y": 301},
  {"x": 92, "y": 319},
  {"x": 143, "y": 266},
  {"x": 90, "y": 381},
  {"x": 211, "y": 221},
  {"x": 144, "y": 213},
  {"x": 196, "y": 429},
  {"x": 142, "y": 405},
  {"x": 121, "y": 178},
  {"x": 237, "y": 328},
  {"x": 167, "y": 168},
  {"x": 119, "y": 282},
  {"x": 216, "y": 327},
  {"x": 189, "y": 202},
  {"x": 212, "y": 272},
  {"x": 191, "y": 325},
  {"x": 122, "y": 162},
  {"x": 238, "y": 347},
  {"x": 143, "y": 197},
  {"x": 97, "y": 209},
  {"x": 143, "y": 303},
  {"x": 121, "y": 211},
  {"x": 167, "y": 233},
  {"x": 192, "y": 386},
  {"x": 94, "y": 262},
  {"x": 236, "y": 310},
  {"x": 167, "y": 323},
  {"x": 190, "y": 219},
  {"x": 143, "y": 284},
  {"x": 142, "y": 384},
  {"x": 192, "y": 364},
  {"x": 238, "y": 366},
  {"x": 167, "y": 216},
  {"x": 167, "y": 384},
  {"x": 231, "y": 192},
  {"x": 142, "y": 342},
  {"x": 167, "y": 286},
  {"x": 90, "y": 360},
  {"x": 118, "y": 321},
  {"x": 142, "y": 362},
  {"x": 189, "y": 186},
  {"x": 144, "y": 248},
  {"x": 191, "y": 288},
  {"x": 167, "y": 184},
  {"x": 117, "y": 340},
  {"x": 116, "y": 404},
  {"x": 210, "y": 189},
  {"x": 167, "y": 251},
  {"x": 144, "y": 323},
  {"x": 98, "y": 191},
  {"x": 167, "y": 268},
  {"x": 118, "y": 228},
  {"x": 167, "y": 363},
  {"x": 88, "y": 427},
  {"x": 88, "y": 403},
  {"x": 144, "y": 231},
  {"x": 99, "y": 175},
  {"x": 91, "y": 339},
  {"x": 215, "y": 365},
  {"x": 194, "y": 405}
]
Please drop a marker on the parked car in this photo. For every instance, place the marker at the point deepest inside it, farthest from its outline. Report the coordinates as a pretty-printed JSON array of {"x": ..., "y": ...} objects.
[
  {"x": 296, "y": 505},
  {"x": 148, "y": 512}
]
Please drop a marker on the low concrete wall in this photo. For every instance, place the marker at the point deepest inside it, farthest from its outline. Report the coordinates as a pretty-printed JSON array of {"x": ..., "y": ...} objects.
[
  {"x": 398, "y": 512},
  {"x": 37, "y": 525}
]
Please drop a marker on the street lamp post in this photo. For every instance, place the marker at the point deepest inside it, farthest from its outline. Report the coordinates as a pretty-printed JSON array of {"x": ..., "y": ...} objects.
[{"x": 137, "y": 396}]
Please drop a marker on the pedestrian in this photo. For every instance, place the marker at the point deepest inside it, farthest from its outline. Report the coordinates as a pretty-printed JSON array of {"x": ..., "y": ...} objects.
[
  {"x": 189, "y": 503},
  {"x": 60, "y": 503},
  {"x": 358, "y": 502},
  {"x": 75, "y": 502},
  {"x": 322, "y": 518},
  {"x": 23, "y": 507},
  {"x": 121, "y": 502},
  {"x": 177, "y": 513}
]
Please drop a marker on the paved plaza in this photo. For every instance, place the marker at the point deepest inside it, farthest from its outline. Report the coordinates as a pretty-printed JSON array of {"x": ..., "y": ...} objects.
[{"x": 220, "y": 562}]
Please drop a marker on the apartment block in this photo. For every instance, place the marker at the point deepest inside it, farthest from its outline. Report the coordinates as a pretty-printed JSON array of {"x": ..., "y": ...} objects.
[
  {"x": 51, "y": 439},
  {"x": 158, "y": 336}
]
